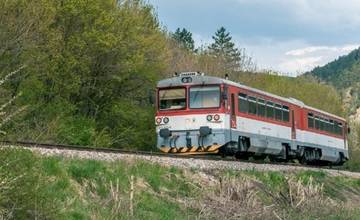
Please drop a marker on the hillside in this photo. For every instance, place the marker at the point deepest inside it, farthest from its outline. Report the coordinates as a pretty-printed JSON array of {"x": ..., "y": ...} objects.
[
  {"x": 61, "y": 188},
  {"x": 344, "y": 74}
]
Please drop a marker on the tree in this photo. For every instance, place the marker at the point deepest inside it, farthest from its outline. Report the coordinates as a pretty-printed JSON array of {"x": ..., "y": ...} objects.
[
  {"x": 224, "y": 49},
  {"x": 84, "y": 63},
  {"x": 184, "y": 38}
]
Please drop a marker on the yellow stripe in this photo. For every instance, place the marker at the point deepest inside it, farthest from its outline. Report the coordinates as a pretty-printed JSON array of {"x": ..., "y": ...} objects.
[
  {"x": 198, "y": 153},
  {"x": 183, "y": 150},
  {"x": 165, "y": 149},
  {"x": 192, "y": 150},
  {"x": 213, "y": 147},
  {"x": 173, "y": 150}
]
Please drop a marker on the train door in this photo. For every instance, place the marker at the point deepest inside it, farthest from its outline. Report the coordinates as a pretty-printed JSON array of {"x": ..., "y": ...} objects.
[
  {"x": 293, "y": 127},
  {"x": 232, "y": 112}
]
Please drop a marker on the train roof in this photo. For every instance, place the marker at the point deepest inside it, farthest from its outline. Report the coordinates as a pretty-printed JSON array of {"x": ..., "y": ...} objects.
[{"x": 200, "y": 79}]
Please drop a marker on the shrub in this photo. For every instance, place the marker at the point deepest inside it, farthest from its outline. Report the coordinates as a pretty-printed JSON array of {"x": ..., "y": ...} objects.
[{"x": 23, "y": 189}]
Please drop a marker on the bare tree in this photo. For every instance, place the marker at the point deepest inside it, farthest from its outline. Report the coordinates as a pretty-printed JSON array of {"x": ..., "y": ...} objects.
[{"x": 4, "y": 115}]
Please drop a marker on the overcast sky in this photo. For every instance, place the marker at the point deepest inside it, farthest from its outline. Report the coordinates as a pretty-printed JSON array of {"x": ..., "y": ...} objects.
[{"x": 291, "y": 36}]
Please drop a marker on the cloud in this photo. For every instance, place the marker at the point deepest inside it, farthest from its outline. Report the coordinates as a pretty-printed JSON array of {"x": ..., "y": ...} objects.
[
  {"x": 298, "y": 65},
  {"x": 291, "y": 36},
  {"x": 328, "y": 13},
  {"x": 306, "y": 58},
  {"x": 312, "y": 49},
  {"x": 306, "y": 50}
]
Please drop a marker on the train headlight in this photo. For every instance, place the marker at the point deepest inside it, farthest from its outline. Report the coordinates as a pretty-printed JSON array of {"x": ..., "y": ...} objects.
[
  {"x": 186, "y": 80},
  {"x": 166, "y": 120},
  {"x": 209, "y": 117},
  {"x": 216, "y": 117},
  {"x": 158, "y": 120}
]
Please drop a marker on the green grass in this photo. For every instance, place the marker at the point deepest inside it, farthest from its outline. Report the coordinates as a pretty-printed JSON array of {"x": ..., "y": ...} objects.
[{"x": 59, "y": 188}]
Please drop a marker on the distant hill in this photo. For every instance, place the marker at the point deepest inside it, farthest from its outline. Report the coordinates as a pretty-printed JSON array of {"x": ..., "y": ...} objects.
[{"x": 342, "y": 73}]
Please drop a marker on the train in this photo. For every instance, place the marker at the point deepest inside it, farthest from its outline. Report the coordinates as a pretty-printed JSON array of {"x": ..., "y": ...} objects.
[{"x": 200, "y": 114}]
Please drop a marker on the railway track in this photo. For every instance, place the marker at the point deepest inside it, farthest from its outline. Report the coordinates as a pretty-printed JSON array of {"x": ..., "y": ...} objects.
[{"x": 252, "y": 164}]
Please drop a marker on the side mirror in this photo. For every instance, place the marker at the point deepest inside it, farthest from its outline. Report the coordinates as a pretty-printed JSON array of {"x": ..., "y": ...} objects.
[{"x": 348, "y": 130}]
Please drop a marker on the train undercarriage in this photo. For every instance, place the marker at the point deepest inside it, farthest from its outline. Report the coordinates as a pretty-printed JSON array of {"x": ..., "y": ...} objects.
[
  {"x": 243, "y": 149},
  {"x": 301, "y": 154}
]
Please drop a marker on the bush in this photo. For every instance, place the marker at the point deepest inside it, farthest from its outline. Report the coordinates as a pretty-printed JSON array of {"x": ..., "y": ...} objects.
[
  {"x": 77, "y": 131},
  {"x": 23, "y": 189}
]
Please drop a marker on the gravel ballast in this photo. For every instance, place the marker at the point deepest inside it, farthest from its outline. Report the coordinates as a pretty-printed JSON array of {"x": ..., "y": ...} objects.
[{"x": 194, "y": 163}]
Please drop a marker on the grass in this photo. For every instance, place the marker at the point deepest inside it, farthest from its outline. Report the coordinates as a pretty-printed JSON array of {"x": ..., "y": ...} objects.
[{"x": 87, "y": 189}]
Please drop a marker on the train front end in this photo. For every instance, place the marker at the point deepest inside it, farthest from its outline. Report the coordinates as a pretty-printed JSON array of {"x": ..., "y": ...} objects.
[{"x": 191, "y": 115}]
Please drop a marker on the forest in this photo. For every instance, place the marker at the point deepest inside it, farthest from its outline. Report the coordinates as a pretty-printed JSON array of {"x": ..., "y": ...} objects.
[{"x": 84, "y": 72}]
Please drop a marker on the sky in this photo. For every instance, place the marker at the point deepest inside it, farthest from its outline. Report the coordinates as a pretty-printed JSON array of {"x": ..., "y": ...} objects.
[{"x": 289, "y": 36}]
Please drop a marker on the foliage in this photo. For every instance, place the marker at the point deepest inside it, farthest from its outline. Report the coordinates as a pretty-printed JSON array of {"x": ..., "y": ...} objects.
[
  {"x": 341, "y": 72},
  {"x": 89, "y": 57},
  {"x": 224, "y": 49},
  {"x": 23, "y": 189},
  {"x": 61, "y": 188},
  {"x": 354, "y": 149},
  {"x": 184, "y": 38}
]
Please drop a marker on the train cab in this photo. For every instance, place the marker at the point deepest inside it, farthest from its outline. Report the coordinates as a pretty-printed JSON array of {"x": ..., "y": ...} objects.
[{"x": 191, "y": 114}]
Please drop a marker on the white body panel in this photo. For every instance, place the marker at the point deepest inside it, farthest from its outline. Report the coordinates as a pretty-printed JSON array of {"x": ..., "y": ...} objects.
[
  {"x": 263, "y": 128},
  {"x": 319, "y": 139}
]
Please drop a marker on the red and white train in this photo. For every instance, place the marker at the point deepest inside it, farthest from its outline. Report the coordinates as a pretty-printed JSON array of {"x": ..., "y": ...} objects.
[{"x": 202, "y": 114}]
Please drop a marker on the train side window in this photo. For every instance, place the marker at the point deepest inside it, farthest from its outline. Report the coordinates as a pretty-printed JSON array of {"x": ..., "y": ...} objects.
[
  {"x": 331, "y": 126},
  {"x": 317, "y": 122},
  {"x": 252, "y": 105},
  {"x": 243, "y": 104},
  {"x": 278, "y": 112},
  {"x": 336, "y": 127},
  {"x": 261, "y": 107},
  {"x": 310, "y": 120},
  {"x": 327, "y": 125},
  {"x": 269, "y": 110},
  {"x": 322, "y": 124},
  {"x": 286, "y": 113},
  {"x": 340, "y": 129}
]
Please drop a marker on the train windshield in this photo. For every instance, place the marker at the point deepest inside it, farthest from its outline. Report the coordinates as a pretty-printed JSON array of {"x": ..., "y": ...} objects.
[
  {"x": 172, "y": 99},
  {"x": 204, "y": 97}
]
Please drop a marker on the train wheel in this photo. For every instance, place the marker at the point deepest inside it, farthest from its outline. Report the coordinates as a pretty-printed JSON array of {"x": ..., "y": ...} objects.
[
  {"x": 303, "y": 160},
  {"x": 223, "y": 152},
  {"x": 259, "y": 157},
  {"x": 341, "y": 160},
  {"x": 241, "y": 155},
  {"x": 283, "y": 157}
]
